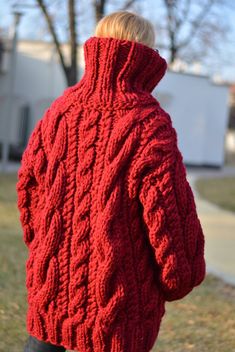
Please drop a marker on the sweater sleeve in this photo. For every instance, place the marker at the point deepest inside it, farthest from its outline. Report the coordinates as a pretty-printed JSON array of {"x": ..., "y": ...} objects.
[
  {"x": 27, "y": 184},
  {"x": 170, "y": 214}
]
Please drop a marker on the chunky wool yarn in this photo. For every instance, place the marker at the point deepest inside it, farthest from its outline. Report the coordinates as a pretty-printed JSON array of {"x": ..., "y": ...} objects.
[{"x": 107, "y": 213}]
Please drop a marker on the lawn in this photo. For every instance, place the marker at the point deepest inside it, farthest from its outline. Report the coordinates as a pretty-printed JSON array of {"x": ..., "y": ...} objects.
[
  {"x": 201, "y": 322},
  {"x": 220, "y": 191}
]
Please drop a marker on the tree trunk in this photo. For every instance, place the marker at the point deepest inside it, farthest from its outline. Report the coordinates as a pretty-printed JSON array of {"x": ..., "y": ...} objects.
[
  {"x": 173, "y": 54},
  {"x": 72, "y": 72},
  {"x": 99, "y": 9}
]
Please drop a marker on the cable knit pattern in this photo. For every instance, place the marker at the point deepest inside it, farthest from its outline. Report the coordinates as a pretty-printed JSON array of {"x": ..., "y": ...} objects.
[{"x": 107, "y": 213}]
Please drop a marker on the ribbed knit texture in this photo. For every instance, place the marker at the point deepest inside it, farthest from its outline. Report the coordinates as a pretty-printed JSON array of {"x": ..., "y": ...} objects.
[{"x": 106, "y": 210}]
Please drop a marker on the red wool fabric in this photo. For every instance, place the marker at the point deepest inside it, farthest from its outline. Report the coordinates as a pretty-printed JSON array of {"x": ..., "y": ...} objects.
[{"x": 107, "y": 213}]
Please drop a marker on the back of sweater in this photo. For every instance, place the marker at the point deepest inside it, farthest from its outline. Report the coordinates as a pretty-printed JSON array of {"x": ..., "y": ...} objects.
[{"x": 107, "y": 213}]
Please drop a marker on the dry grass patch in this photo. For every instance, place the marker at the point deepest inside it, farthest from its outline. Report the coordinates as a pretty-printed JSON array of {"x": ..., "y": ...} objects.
[{"x": 220, "y": 191}]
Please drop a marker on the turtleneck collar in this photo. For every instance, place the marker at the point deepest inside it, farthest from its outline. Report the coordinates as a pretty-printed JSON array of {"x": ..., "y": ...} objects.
[{"x": 119, "y": 72}]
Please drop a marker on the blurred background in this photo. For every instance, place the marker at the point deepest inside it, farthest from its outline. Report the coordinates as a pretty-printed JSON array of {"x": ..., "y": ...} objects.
[{"x": 41, "y": 53}]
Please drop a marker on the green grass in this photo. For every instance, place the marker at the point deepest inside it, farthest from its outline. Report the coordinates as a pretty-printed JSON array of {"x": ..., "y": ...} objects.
[
  {"x": 201, "y": 322},
  {"x": 13, "y": 253},
  {"x": 220, "y": 191}
]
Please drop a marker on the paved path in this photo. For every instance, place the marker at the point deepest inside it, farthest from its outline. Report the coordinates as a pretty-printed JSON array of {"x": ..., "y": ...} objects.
[
  {"x": 219, "y": 228},
  {"x": 12, "y": 166}
]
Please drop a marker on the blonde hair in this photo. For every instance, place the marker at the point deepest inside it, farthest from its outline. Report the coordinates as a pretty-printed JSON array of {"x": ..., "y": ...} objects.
[{"x": 126, "y": 25}]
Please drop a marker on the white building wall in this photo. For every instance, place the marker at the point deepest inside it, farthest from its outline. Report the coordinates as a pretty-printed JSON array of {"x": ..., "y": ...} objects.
[{"x": 199, "y": 111}]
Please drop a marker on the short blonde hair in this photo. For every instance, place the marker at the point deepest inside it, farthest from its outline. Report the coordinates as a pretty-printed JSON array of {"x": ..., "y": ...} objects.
[{"x": 126, "y": 25}]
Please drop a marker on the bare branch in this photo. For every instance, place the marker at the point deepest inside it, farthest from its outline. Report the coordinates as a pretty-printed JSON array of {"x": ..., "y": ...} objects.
[
  {"x": 99, "y": 6},
  {"x": 183, "y": 19},
  {"x": 128, "y": 4},
  {"x": 73, "y": 43},
  {"x": 169, "y": 4},
  {"x": 50, "y": 24},
  {"x": 195, "y": 24}
]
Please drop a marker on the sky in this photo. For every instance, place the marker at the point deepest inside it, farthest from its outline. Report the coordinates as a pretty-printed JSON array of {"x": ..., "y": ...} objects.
[{"x": 32, "y": 26}]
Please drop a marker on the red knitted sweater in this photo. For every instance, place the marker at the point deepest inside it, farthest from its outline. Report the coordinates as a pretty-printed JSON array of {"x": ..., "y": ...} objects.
[{"x": 107, "y": 213}]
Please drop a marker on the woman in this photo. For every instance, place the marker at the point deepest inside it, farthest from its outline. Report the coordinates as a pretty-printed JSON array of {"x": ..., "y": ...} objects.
[{"x": 108, "y": 215}]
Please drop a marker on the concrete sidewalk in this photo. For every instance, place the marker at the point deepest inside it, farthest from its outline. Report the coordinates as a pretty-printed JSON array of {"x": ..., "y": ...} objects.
[
  {"x": 218, "y": 226},
  {"x": 12, "y": 166}
]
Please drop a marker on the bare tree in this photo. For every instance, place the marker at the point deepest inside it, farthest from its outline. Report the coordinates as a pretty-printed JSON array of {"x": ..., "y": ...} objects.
[
  {"x": 100, "y": 7},
  {"x": 70, "y": 70},
  {"x": 190, "y": 21},
  {"x": 188, "y": 29}
]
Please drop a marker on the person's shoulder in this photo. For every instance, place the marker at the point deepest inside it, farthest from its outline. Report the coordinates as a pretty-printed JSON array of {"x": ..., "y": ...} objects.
[
  {"x": 157, "y": 126},
  {"x": 56, "y": 111},
  {"x": 63, "y": 102},
  {"x": 156, "y": 144}
]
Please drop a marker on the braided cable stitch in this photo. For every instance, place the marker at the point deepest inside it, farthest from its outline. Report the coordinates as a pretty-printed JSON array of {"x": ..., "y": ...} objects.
[{"x": 106, "y": 210}]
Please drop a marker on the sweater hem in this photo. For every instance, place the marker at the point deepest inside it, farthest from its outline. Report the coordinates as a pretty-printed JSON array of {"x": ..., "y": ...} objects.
[{"x": 61, "y": 331}]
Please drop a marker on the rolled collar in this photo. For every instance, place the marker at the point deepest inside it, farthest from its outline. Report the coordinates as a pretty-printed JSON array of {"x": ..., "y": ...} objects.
[{"x": 119, "y": 70}]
